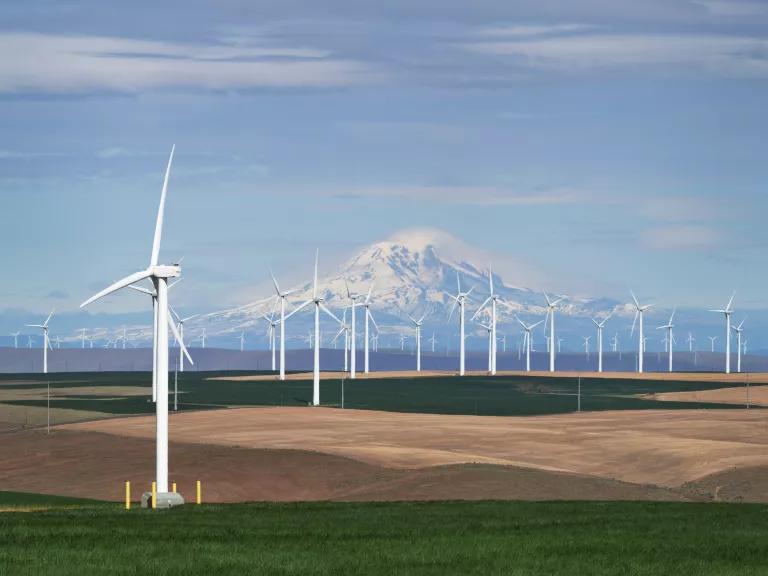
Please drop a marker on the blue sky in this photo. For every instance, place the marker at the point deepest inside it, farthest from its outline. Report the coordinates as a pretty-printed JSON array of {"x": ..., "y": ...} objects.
[{"x": 607, "y": 143}]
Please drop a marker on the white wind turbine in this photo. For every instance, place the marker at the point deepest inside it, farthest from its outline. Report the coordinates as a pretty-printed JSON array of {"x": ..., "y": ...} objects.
[
  {"x": 712, "y": 343},
  {"x": 368, "y": 316},
  {"x": 242, "y": 341},
  {"x": 158, "y": 274},
  {"x": 271, "y": 333},
  {"x": 82, "y": 335},
  {"x": 639, "y": 312},
  {"x": 317, "y": 300},
  {"x": 417, "y": 324},
  {"x": 46, "y": 341},
  {"x": 727, "y": 311},
  {"x": 153, "y": 294},
  {"x": 353, "y": 297},
  {"x": 551, "y": 316},
  {"x": 600, "y": 326},
  {"x": 493, "y": 300},
  {"x": 489, "y": 328},
  {"x": 670, "y": 339},
  {"x": 181, "y": 321},
  {"x": 460, "y": 299},
  {"x": 344, "y": 330},
  {"x": 586, "y": 346},
  {"x": 527, "y": 341},
  {"x": 283, "y": 296},
  {"x": 15, "y": 339},
  {"x": 738, "y": 329},
  {"x": 433, "y": 341}
]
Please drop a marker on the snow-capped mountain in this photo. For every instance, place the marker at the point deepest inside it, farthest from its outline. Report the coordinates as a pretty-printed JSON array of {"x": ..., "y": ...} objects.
[{"x": 414, "y": 272}]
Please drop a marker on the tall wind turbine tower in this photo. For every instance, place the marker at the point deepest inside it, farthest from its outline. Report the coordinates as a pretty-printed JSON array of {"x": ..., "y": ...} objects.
[
  {"x": 282, "y": 296},
  {"x": 493, "y": 300},
  {"x": 670, "y": 339},
  {"x": 551, "y": 315},
  {"x": 353, "y": 297},
  {"x": 461, "y": 300},
  {"x": 15, "y": 339},
  {"x": 417, "y": 324},
  {"x": 738, "y": 329},
  {"x": 368, "y": 317},
  {"x": 158, "y": 274},
  {"x": 727, "y": 311},
  {"x": 317, "y": 301},
  {"x": 639, "y": 312},
  {"x": 527, "y": 341},
  {"x": 600, "y": 325},
  {"x": 46, "y": 341}
]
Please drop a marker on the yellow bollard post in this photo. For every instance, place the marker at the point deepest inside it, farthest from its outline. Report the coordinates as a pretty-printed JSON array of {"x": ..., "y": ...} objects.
[
  {"x": 173, "y": 487},
  {"x": 154, "y": 495},
  {"x": 127, "y": 494},
  {"x": 199, "y": 493}
]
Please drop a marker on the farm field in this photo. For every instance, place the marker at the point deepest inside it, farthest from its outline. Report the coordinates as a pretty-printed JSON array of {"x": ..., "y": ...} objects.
[
  {"x": 487, "y": 537},
  {"x": 24, "y": 398}
]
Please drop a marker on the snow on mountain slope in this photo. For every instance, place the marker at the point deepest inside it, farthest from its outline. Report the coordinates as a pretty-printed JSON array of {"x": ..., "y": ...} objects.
[{"x": 413, "y": 272}]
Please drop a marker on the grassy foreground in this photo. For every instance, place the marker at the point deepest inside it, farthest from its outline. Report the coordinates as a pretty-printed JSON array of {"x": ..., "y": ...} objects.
[{"x": 387, "y": 538}]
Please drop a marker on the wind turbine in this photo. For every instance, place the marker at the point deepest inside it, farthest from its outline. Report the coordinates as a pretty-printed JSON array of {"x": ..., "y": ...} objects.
[
  {"x": 271, "y": 332},
  {"x": 158, "y": 274},
  {"x": 353, "y": 297},
  {"x": 317, "y": 300},
  {"x": 202, "y": 338},
  {"x": 738, "y": 329},
  {"x": 527, "y": 341},
  {"x": 586, "y": 346},
  {"x": 283, "y": 296},
  {"x": 15, "y": 339},
  {"x": 712, "y": 342},
  {"x": 492, "y": 299},
  {"x": 368, "y": 316},
  {"x": 46, "y": 341},
  {"x": 242, "y": 341},
  {"x": 489, "y": 328},
  {"x": 344, "y": 330},
  {"x": 551, "y": 315},
  {"x": 433, "y": 341},
  {"x": 153, "y": 294},
  {"x": 639, "y": 312},
  {"x": 727, "y": 311},
  {"x": 670, "y": 338},
  {"x": 460, "y": 299},
  {"x": 600, "y": 326},
  {"x": 82, "y": 335},
  {"x": 181, "y": 322},
  {"x": 417, "y": 324}
]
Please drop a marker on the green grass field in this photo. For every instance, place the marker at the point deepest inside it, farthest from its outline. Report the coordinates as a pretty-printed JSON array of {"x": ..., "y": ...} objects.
[
  {"x": 77, "y": 538},
  {"x": 501, "y": 395}
]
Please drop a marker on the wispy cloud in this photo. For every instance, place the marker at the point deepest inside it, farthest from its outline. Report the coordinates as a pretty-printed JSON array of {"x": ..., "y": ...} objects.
[
  {"x": 467, "y": 195},
  {"x": 681, "y": 238},
  {"x": 717, "y": 54},
  {"x": 734, "y": 7},
  {"x": 533, "y": 30},
  {"x": 81, "y": 64}
]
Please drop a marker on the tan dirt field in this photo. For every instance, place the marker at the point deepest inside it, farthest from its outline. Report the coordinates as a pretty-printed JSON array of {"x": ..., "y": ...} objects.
[
  {"x": 90, "y": 464},
  {"x": 658, "y": 447},
  {"x": 757, "y": 378},
  {"x": 758, "y": 396}
]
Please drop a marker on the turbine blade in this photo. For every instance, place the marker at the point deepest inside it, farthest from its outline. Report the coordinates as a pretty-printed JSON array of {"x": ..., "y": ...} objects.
[
  {"x": 127, "y": 281},
  {"x": 480, "y": 309},
  {"x": 490, "y": 277},
  {"x": 304, "y": 305},
  {"x": 331, "y": 314},
  {"x": 172, "y": 326},
  {"x": 274, "y": 281},
  {"x": 728, "y": 308},
  {"x": 161, "y": 213},
  {"x": 314, "y": 285},
  {"x": 368, "y": 297},
  {"x": 634, "y": 321},
  {"x": 374, "y": 321},
  {"x": 637, "y": 304},
  {"x": 144, "y": 290},
  {"x": 455, "y": 301},
  {"x": 172, "y": 284},
  {"x": 49, "y": 317}
]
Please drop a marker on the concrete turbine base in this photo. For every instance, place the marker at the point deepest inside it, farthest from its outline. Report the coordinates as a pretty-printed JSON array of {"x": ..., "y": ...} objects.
[{"x": 164, "y": 500}]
